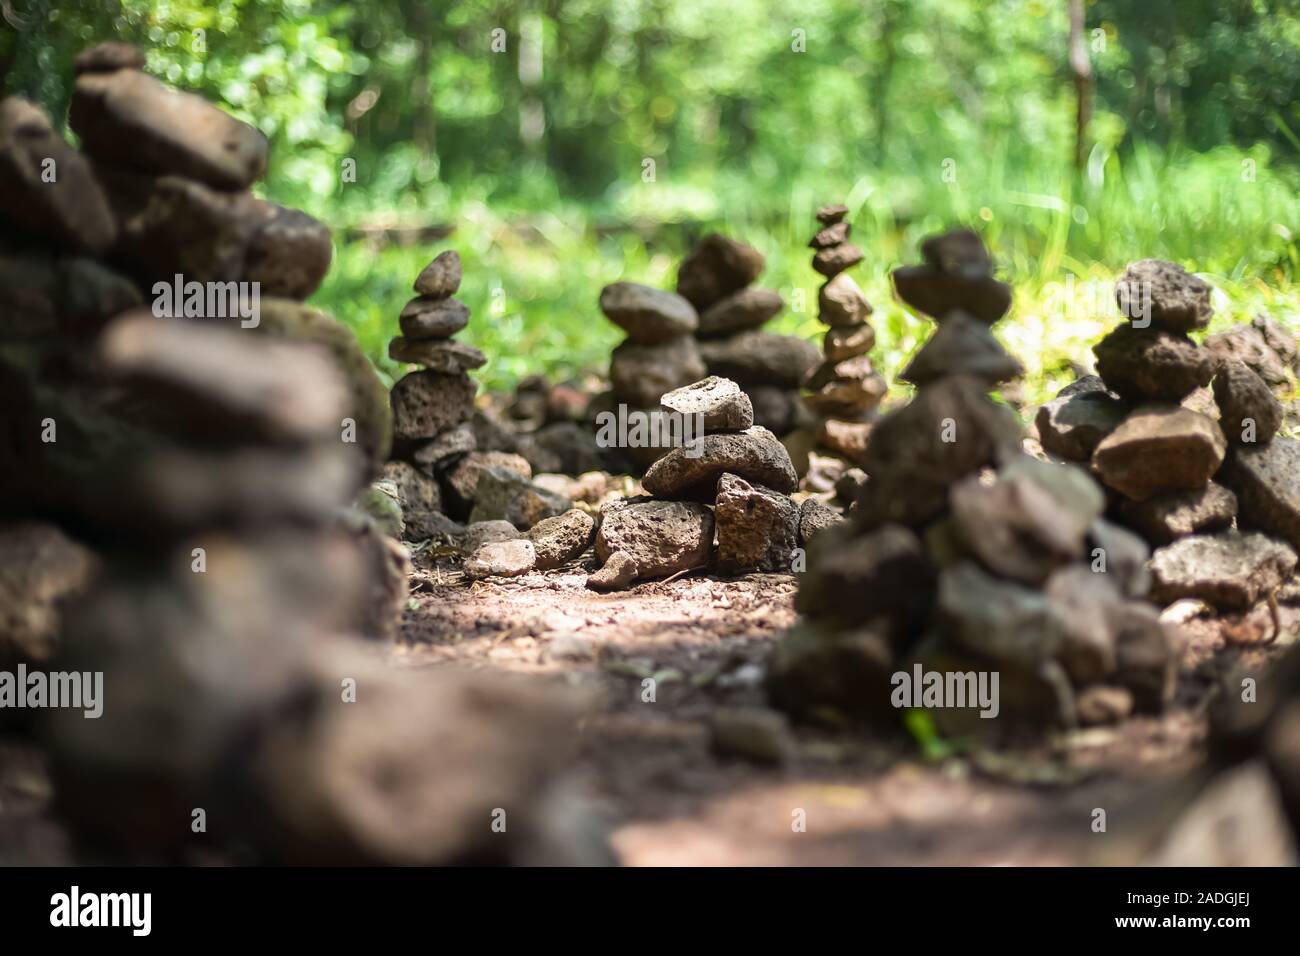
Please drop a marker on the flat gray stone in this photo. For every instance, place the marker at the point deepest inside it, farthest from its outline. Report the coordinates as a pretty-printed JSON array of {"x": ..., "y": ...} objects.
[
  {"x": 1229, "y": 570},
  {"x": 650, "y": 316}
]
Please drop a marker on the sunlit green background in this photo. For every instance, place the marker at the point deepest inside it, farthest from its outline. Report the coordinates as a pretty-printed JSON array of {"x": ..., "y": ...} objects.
[{"x": 527, "y": 126}]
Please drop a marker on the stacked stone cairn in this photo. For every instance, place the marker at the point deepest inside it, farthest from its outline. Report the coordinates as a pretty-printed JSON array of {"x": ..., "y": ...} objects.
[
  {"x": 966, "y": 555},
  {"x": 175, "y": 484},
  {"x": 1199, "y": 472},
  {"x": 844, "y": 390},
  {"x": 440, "y": 473},
  {"x": 716, "y": 278},
  {"x": 729, "y": 483}
]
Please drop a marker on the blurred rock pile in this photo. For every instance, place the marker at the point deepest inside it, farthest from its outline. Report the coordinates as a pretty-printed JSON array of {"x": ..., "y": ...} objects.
[
  {"x": 716, "y": 278},
  {"x": 1185, "y": 438},
  {"x": 183, "y": 471},
  {"x": 964, "y": 554}
]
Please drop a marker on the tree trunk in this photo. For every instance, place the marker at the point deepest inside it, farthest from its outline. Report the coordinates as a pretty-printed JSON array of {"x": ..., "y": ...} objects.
[{"x": 1081, "y": 69}]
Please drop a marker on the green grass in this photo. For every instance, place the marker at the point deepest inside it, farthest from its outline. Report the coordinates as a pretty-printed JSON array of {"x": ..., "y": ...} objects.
[{"x": 532, "y": 279}]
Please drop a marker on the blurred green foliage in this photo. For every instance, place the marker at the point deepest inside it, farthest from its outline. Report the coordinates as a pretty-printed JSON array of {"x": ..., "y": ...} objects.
[{"x": 532, "y": 127}]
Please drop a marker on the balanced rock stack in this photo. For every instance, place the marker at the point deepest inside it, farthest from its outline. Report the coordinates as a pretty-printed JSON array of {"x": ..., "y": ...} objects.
[
  {"x": 441, "y": 473},
  {"x": 965, "y": 554},
  {"x": 716, "y": 277},
  {"x": 844, "y": 390},
  {"x": 732, "y": 482},
  {"x": 1158, "y": 439},
  {"x": 207, "y": 458}
]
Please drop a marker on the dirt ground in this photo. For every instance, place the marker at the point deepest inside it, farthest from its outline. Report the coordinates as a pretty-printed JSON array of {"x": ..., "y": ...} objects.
[
  {"x": 649, "y": 773},
  {"x": 646, "y": 775}
]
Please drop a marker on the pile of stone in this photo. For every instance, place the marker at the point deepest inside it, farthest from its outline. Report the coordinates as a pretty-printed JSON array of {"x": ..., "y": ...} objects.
[
  {"x": 448, "y": 469},
  {"x": 1197, "y": 472},
  {"x": 844, "y": 390},
  {"x": 966, "y": 555},
  {"x": 731, "y": 484},
  {"x": 716, "y": 278},
  {"x": 175, "y": 490}
]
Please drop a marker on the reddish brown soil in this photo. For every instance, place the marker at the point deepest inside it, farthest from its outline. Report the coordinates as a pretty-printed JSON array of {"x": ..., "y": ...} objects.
[{"x": 866, "y": 799}]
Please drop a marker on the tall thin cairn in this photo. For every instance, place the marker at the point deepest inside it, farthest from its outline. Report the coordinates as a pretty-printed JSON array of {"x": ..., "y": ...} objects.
[{"x": 845, "y": 388}]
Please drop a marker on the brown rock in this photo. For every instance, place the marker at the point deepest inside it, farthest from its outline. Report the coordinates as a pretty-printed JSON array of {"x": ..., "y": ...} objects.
[
  {"x": 1152, "y": 364},
  {"x": 617, "y": 574},
  {"x": 1016, "y": 528},
  {"x": 70, "y": 208},
  {"x": 426, "y": 403},
  {"x": 648, "y": 315},
  {"x": 107, "y": 57},
  {"x": 661, "y": 537},
  {"x": 1179, "y": 301},
  {"x": 758, "y": 529},
  {"x": 502, "y": 559},
  {"x": 832, "y": 235},
  {"x": 641, "y": 374},
  {"x": 130, "y": 118},
  {"x": 719, "y": 402},
  {"x": 746, "y": 309},
  {"x": 1249, "y": 414},
  {"x": 760, "y": 358},
  {"x": 169, "y": 225},
  {"x": 479, "y": 533},
  {"x": 436, "y": 455},
  {"x": 754, "y": 454},
  {"x": 1160, "y": 448},
  {"x": 462, "y": 480},
  {"x": 425, "y": 317},
  {"x": 841, "y": 303},
  {"x": 224, "y": 385},
  {"x": 444, "y": 356},
  {"x": 503, "y": 494},
  {"x": 848, "y": 342},
  {"x": 715, "y": 268},
  {"x": 847, "y": 439},
  {"x": 562, "y": 538},
  {"x": 831, "y": 261},
  {"x": 289, "y": 254},
  {"x": 441, "y": 277},
  {"x": 1248, "y": 344},
  {"x": 416, "y": 491},
  {"x": 814, "y": 518},
  {"x": 1228, "y": 570},
  {"x": 1147, "y": 654},
  {"x": 368, "y": 406},
  {"x": 849, "y": 397},
  {"x": 958, "y": 274},
  {"x": 1266, "y": 479},
  {"x": 882, "y": 576},
  {"x": 962, "y": 345},
  {"x": 1162, "y": 519},
  {"x": 832, "y": 213},
  {"x": 949, "y": 430},
  {"x": 40, "y": 570},
  {"x": 815, "y": 668},
  {"x": 1073, "y": 424}
]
